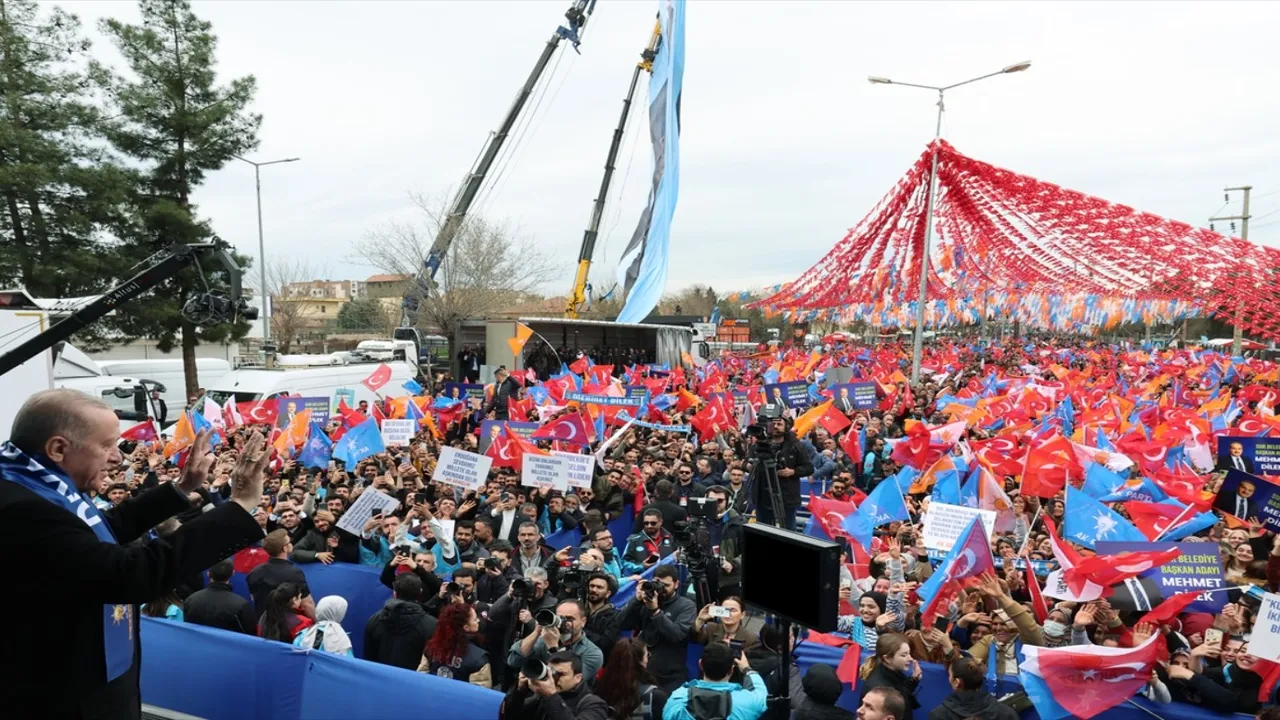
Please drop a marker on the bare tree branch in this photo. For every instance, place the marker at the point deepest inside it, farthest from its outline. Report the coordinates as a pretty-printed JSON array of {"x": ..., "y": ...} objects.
[
  {"x": 488, "y": 267},
  {"x": 289, "y": 313}
]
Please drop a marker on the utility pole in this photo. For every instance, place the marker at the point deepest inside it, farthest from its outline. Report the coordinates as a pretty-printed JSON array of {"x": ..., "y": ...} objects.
[{"x": 1237, "y": 335}]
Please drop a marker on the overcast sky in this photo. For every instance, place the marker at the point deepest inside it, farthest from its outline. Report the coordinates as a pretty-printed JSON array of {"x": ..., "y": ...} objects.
[{"x": 784, "y": 145}]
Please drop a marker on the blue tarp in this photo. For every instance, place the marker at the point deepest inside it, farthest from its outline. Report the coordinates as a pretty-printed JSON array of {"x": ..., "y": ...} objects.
[{"x": 221, "y": 675}]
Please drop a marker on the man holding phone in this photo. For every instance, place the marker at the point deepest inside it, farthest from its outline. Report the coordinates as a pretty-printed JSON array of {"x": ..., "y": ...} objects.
[{"x": 647, "y": 547}]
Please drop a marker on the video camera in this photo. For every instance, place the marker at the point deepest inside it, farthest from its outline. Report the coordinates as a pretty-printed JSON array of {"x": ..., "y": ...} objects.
[
  {"x": 521, "y": 589},
  {"x": 758, "y": 432}
]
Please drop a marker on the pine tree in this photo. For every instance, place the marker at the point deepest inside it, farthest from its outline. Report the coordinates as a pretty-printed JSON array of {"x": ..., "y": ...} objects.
[
  {"x": 60, "y": 192},
  {"x": 174, "y": 117}
]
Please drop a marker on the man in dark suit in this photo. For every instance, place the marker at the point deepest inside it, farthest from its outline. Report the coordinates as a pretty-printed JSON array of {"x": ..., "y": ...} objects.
[
  {"x": 1235, "y": 459},
  {"x": 74, "y": 574},
  {"x": 843, "y": 402},
  {"x": 1241, "y": 504},
  {"x": 505, "y": 388},
  {"x": 219, "y": 606}
]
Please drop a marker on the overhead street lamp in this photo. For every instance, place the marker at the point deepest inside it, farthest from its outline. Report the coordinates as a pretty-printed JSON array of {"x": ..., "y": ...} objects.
[
  {"x": 262, "y": 251},
  {"x": 918, "y": 344}
]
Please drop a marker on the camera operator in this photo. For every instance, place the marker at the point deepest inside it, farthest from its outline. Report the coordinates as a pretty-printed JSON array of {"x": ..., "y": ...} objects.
[
  {"x": 603, "y": 619},
  {"x": 561, "y": 629},
  {"x": 726, "y": 534},
  {"x": 512, "y": 616},
  {"x": 557, "y": 690},
  {"x": 495, "y": 573},
  {"x": 792, "y": 462},
  {"x": 647, "y": 547},
  {"x": 714, "y": 696},
  {"x": 662, "y": 618},
  {"x": 461, "y": 589},
  {"x": 422, "y": 564}
]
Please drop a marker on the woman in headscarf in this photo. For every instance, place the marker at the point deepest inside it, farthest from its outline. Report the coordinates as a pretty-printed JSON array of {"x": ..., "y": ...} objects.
[{"x": 327, "y": 634}]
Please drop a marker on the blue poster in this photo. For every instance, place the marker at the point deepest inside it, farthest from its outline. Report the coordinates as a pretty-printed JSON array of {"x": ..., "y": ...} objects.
[
  {"x": 461, "y": 391},
  {"x": 287, "y": 407},
  {"x": 1199, "y": 567},
  {"x": 344, "y": 394},
  {"x": 1248, "y": 497},
  {"x": 1254, "y": 455},
  {"x": 858, "y": 396},
  {"x": 791, "y": 394},
  {"x": 490, "y": 429},
  {"x": 636, "y": 392}
]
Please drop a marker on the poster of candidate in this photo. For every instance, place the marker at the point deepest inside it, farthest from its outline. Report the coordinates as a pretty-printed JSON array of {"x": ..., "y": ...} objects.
[
  {"x": 851, "y": 397},
  {"x": 791, "y": 394},
  {"x": 1199, "y": 567},
  {"x": 463, "y": 391},
  {"x": 1253, "y": 455},
  {"x": 490, "y": 429},
  {"x": 1248, "y": 497},
  {"x": 287, "y": 407}
]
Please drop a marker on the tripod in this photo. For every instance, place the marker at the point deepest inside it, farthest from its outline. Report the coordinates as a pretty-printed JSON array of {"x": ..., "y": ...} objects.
[{"x": 764, "y": 477}]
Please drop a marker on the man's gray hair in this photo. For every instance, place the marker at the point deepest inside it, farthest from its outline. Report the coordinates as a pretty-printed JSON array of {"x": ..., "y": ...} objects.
[
  {"x": 535, "y": 573},
  {"x": 51, "y": 413}
]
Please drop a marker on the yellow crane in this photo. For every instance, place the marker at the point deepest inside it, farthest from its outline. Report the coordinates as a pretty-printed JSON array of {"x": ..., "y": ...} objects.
[{"x": 578, "y": 295}]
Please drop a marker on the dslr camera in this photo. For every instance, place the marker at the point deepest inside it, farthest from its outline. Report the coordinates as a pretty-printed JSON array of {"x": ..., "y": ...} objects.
[{"x": 491, "y": 563}]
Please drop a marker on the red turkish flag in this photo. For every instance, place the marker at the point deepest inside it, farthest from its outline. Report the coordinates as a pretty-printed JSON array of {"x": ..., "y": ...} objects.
[
  {"x": 570, "y": 428},
  {"x": 142, "y": 432},
  {"x": 833, "y": 421},
  {"x": 504, "y": 453},
  {"x": 258, "y": 412},
  {"x": 580, "y": 366},
  {"x": 847, "y": 672},
  {"x": 378, "y": 378}
]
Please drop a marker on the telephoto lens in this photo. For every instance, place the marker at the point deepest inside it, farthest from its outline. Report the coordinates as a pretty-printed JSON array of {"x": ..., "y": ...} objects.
[
  {"x": 535, "y": 669},
  {"x": 547, "y": 618}
]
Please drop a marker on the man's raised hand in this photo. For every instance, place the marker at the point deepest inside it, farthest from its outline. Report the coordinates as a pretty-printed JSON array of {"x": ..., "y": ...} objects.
[{"x": 250, "y": 472}]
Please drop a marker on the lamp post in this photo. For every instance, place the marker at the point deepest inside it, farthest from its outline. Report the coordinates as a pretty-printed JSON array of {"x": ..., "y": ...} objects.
[
  {"x": 262, "y": 250},
  {"x": 918, "y": 343}
]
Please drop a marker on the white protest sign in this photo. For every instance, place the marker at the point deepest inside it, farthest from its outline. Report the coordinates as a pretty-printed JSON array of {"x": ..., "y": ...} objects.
[
  {"x": 370, "y": 501},
  {"x": 577, "y": 469},
  {"x": 1265, "y": 640},
  {"x": 545, "y": 472},
  {"x": 398, "y": 432},
  {"x": 463, "y": 469},
  {"x": 944, "y": 523}
]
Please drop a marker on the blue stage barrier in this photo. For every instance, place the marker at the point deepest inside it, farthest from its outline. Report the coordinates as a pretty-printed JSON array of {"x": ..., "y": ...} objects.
[
  {"x": 934, "y": 688},
  {"x": 221, "y": 675},
  {"x": 564, "y": 538}
]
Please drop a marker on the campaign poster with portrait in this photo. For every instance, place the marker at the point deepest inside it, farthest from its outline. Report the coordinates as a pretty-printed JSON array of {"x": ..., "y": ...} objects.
[
  {"x": 490, "y": 429},
  {"x": 857, "y": 395},
  {"x": 1253, "y": 455},
  {"x": 793, "y": 394},
  {"x": 1247, "y": 496},
  {"x": 287, "y": 407},
  {"x": 464, "y": 391}
]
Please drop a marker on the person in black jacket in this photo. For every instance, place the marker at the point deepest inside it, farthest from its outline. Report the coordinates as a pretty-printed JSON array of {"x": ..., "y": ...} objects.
[
  {"x": 793, "y": 464},
  {"x": 219, "y": 606},
  {"x": 397, "y": 634},
  {"x": 821, "y": 691},
  {"x": 75, "y": 653},
  {"x": 275, "y": 571},
  {"x": 562, "y": 693},
  {"x": 662, "y": 619},
  {"x": 505, "y": 388},
  {"x": 422, "y": 564},
  {"x": 603, "y": 619},
  {"x": 893, "y": 667},
  {"x": 970, "y": 699}
]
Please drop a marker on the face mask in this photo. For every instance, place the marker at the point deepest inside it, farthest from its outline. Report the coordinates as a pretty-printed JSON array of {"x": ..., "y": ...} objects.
[{"x": 1054, "y": 628}]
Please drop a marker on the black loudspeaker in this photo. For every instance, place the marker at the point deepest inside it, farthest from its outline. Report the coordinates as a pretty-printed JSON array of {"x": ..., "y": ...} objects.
[{"x": 791, "y": 575}]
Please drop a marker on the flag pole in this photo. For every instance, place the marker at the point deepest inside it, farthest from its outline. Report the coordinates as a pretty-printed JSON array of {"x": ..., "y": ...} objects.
[
  {"x": 1173, "y": 524},
  {"x": 1027, "y": 539}
]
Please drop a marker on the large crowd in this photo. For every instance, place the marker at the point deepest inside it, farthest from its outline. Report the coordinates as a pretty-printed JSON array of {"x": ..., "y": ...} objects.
[{"x": 602, "y": 628}]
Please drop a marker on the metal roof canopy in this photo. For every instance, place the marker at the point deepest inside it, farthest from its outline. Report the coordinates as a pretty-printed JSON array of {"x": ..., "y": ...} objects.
[{"x": 605, "y": 323}]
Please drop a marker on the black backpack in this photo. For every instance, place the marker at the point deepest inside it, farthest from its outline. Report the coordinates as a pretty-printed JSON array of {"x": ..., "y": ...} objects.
[{"x": 705, "y": 704}]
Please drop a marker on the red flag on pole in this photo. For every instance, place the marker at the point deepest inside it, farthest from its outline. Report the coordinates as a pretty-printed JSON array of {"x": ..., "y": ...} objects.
[{"x": 378, "y": 378}]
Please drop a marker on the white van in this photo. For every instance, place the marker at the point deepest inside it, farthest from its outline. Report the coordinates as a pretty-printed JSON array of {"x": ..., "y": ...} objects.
[
  {"x": 261, "y": 384},
  {"x": 170, "y": 374}
]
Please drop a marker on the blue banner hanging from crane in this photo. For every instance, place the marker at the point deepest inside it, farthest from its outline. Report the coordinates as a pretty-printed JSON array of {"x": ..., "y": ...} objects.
[{"x": 642, "y": 272}]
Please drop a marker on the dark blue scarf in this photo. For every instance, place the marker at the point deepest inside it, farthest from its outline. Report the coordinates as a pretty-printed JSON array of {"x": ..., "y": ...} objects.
[{"x": 44, "y": 479}]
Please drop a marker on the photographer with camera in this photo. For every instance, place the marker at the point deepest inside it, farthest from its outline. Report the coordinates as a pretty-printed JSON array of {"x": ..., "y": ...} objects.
[
  {"x": 714, "y": 696},
  {"x": 792, "y": 462},
  {"x": 725, "y": 533},
  {"x": 495, "y": 573},
  {"x": 559, "y": 629},
  {"x": 604, "y": 621},
  {"x": 421, "y": 563},
  {"x": 662, "y": 617},
  {"x": 460, "y": 590},
  {"x": 512, "y": 616},
  {"x": 553, "y": 690}
]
